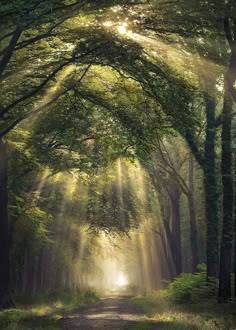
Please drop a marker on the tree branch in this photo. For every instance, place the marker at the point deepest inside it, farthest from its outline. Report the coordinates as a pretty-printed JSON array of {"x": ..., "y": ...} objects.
[
  {"x": 44, "y": 83},
  {"x": 194, "y": 148},
  {"x": 42, "y": 107},
  {"x": 10, "y": 49}
]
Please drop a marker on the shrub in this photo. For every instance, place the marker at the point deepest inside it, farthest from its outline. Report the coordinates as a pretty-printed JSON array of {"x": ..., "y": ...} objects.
[{"x": 191, "y": 288}]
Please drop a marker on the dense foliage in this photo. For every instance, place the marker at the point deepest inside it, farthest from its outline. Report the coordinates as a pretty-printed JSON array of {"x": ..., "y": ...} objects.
[{"x": 117, "y": 130}]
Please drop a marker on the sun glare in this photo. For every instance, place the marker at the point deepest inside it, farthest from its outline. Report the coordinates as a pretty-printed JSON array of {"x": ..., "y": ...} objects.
[
  {"x": 121, "y": 280},
  {"x": 123, "y": 28},
  {"x": 120, "y": 27},
  {"x": 107, "y": 24}
]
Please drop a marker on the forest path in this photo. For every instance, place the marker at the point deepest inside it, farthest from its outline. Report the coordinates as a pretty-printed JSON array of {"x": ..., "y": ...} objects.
[{"x": 114, "y": 312}]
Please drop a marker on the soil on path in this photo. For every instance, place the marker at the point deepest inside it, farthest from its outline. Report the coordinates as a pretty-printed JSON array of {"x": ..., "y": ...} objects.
[{"x": 114, "y": 312}]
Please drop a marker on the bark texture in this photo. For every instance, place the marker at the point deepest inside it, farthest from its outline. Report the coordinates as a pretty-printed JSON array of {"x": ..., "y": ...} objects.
[
  {"x": 5, "y": 300},
  {"x": 211, "y": 190}
]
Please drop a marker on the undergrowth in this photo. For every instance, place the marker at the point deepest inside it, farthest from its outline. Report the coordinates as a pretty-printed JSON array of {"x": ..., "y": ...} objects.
[
  {"x": 187, "y": 303},
  {"x": 192, "y": 288},
  {"x": 43, "y": 311}
]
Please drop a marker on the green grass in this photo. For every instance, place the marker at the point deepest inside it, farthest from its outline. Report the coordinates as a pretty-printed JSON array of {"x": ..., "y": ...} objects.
[
  {"x": 200, "y": 316},
  {"x": 141, "y": 326},
  {"x": 33, "y": 314},
  {"x": 41, "y": 317}
]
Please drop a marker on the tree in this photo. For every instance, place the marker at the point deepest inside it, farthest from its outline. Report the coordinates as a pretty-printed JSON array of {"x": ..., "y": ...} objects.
[{"x": 226, "y": 167}]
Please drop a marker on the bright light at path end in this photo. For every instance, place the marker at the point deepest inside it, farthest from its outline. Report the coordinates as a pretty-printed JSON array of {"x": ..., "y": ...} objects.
[{"x": 121, "y": 280}]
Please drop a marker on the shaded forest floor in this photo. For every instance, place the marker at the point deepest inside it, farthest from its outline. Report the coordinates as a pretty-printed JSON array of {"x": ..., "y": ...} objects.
[
  {"x": 204, "y": 316},
  {"x": 44, "y": 311},
  {"x": 121, "y": 312}
]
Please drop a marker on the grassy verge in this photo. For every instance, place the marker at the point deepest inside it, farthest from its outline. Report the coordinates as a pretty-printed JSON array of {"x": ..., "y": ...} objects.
[
  {"x": 44, "y": 311},
  {"x": 164, "y": 314}
]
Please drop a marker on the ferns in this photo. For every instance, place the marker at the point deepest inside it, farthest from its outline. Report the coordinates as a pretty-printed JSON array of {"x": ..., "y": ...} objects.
[{"x": 190, "y": 288}]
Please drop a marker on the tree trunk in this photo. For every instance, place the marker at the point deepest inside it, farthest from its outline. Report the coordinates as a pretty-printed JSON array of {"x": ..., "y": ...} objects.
[
  {"x": 166, "y": 238},
  {"x": 227, "y": 181},
  {"x": 193, "y": 233},
  {"x": 5, "y": 300},
  {"x": 166, "y": 249},
  {"x": 235, "y": 227},
  {"x": 25, "y": 272},
  {"x": 192, "y": 217},
  {"x": 176, "y": 232},
  {"x": 226, "y": 169},
  {"x": 211, "y": 190}
]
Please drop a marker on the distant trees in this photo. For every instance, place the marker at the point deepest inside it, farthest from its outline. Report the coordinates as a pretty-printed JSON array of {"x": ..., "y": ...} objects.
[
  {"x": 56, "y": 226},
  {"x": 171, "y": 168}
]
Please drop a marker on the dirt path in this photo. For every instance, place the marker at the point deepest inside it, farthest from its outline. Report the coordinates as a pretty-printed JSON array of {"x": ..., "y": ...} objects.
[{"x": 110, "y": 313}]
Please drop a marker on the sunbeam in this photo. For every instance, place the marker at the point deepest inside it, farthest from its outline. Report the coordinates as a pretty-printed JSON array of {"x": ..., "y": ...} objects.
[{"x": 117, "y": 165}]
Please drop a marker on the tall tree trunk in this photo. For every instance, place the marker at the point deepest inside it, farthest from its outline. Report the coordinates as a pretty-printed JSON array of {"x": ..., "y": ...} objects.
[
  {"x": 25, "y": 272},
  {"x": 192, "y": 217},
  {"x": 5, "y": 300},
  {"x": 211, "y": 189},
  {"x": 226, "y": 167},
  {"x": 166, "y": 237},
  {"x": 165, "y": 240},
  {"x": 235, "y": 227},
  {"x": 40, "y": 279},
  {"x": 227, "y": 181},
  {"x": 176, "y": 232}
]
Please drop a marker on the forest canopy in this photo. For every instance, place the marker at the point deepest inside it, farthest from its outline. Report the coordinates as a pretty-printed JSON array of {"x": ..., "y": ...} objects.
[{"x": 117, "y": 140}]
